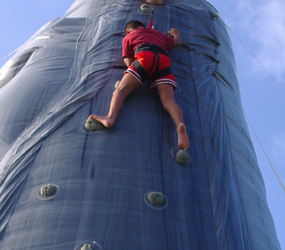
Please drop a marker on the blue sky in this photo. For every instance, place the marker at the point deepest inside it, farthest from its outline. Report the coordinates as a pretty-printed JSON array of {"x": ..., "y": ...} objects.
[{"x": 259, "y": 24}]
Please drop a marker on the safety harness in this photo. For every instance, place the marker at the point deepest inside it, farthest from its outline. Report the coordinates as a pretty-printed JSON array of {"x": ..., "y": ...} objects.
[{"x": 156, "y": 50}]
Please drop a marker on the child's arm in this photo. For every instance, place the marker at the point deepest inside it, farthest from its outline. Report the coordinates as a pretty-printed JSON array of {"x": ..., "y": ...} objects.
[
  {"x": 175, "y": 34},
  {"x": 128, "y": 60}
]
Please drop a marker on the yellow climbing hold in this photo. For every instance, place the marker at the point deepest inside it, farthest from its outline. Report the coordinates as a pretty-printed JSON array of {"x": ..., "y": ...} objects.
[{"x": 117, "y": 84}]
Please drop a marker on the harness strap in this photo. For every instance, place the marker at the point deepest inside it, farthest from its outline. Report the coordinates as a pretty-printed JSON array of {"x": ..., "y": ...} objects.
[
  {"x": 156, "y": 50},
  {"x": 163, "y": 72},
  {"x": 150, "y": 47},
  {"x": 158, "y": 74},
  {"x": 153, "y": 62},
  {"x": 141, "y": 71}
]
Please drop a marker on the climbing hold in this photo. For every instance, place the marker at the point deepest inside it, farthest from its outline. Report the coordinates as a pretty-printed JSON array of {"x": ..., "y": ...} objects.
[
  {"x": 48, "y": 190},
  {"x": 86, "y": 247},
  {"x": 155, "y": 198},
  {"x": 182, "y": 157},
  {"x": 92, "y": 125},
  {"x": 156, "y": 1},
  {"x": 117, "y": 84},
  {"x": 146, "y": 9}
]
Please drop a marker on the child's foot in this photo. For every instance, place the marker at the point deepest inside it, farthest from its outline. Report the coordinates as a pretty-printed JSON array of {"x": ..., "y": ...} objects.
[
  {"x": 105, "y": 120},
  {"x": 183, "y": 141}
]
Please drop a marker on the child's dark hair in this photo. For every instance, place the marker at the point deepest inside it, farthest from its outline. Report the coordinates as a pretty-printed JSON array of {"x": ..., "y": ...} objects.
[{"x": 134, "y": 24}]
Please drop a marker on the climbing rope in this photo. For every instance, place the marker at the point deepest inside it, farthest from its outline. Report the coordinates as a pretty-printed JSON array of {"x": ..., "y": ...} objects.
[
  {"x": 271, "y": 165},
  {"x": 251, "y": 53},
  {"x": 147, "y": 9}
]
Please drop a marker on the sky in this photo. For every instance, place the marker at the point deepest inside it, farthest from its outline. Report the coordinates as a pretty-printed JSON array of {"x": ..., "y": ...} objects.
[{"x": 258, "y": 24}]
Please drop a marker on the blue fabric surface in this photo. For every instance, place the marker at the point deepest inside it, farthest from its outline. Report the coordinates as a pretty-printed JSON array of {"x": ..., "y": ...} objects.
[{"x": 217, "y": 201}]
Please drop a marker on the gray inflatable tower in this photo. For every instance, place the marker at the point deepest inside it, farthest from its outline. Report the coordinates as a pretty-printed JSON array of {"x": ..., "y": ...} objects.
[{"x": 64, "y": 187}]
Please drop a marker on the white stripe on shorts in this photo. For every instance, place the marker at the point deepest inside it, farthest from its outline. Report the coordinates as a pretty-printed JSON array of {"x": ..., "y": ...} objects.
[
  {"x": 135, "y": 75},
  {"x": 164, "y": 81}
]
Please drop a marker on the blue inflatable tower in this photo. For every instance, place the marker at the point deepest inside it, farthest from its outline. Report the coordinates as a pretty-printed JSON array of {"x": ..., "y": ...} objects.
[{"x": 64, "y": 187}]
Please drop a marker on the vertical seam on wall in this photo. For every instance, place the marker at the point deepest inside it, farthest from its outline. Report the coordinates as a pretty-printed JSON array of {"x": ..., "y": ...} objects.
[{"x": 206, "y": 163}]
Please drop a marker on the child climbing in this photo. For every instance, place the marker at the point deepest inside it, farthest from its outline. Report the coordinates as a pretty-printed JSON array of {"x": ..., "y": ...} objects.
[{"x": 145, "y": 54}]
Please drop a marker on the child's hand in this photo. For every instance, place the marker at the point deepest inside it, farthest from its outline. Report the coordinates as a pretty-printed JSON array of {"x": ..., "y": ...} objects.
[
  {"x": 176, "y": 36},
  {"x": 173, "y": 32}
]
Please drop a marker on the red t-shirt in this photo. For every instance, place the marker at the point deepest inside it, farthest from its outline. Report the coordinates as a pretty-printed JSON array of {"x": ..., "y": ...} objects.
[{"x": 145, "y": 35}]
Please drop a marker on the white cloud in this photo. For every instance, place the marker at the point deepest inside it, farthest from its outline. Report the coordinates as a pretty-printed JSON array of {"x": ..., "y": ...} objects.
[
  {"x": 262, "y": 24},
  {"x": 278, "y": 148}
]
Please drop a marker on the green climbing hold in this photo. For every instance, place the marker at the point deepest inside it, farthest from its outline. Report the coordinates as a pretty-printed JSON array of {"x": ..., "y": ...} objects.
[
  {"x": 155, "y": 198},
  {"x": 86, "y": 247},
  {"x": 182, "y": 157},
  {"x": 93, "y": 125},
  {"x": 48, "y": 190}
]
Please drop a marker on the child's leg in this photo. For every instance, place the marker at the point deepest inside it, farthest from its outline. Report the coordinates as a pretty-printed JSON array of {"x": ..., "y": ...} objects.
[
  {"x": 126, "y": 86},
  {"x": 165, "y": 92}
]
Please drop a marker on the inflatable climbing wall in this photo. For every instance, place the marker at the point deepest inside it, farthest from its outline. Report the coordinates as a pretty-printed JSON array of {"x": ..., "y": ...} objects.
[{"x": 65, "y": 187}]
